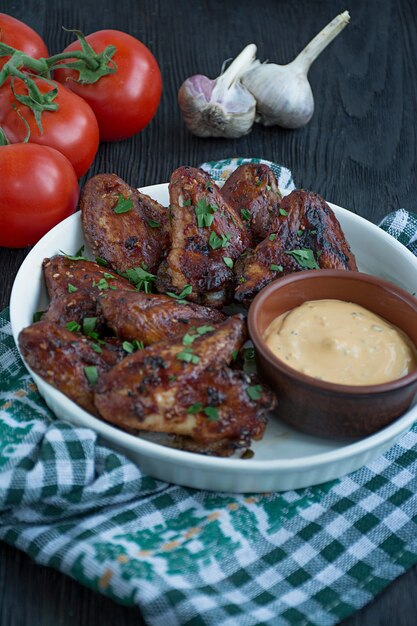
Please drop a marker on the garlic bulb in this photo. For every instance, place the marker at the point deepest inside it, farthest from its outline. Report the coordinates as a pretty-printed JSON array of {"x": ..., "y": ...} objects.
[
  {"x": 222, "y": 107},
  {"x": 282, "y": 92}
]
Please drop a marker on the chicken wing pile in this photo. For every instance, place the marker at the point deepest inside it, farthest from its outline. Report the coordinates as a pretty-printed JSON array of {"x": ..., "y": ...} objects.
[{"x": 140, "y": 337}]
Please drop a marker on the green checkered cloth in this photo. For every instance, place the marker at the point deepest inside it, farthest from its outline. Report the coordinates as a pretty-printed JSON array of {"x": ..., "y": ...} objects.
[{"x": 188, "y": 557}]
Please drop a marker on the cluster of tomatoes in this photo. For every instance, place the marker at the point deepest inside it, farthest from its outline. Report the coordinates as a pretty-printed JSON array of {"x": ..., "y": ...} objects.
[{"x": 42, "y": 159}]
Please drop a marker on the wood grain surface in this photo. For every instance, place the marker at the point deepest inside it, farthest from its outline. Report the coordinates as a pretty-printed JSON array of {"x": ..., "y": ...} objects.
[{"x": 359, "y": 151}]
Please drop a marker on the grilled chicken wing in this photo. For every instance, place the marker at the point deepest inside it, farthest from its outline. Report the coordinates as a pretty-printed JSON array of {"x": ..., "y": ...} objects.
[
  {"x": 74, "y": 288},
  {"x": 61, "y": 358},
  {"x": 204, "y": 231},
  {"x": 152, "y": 317},
  {"x": 122, "y": 225},
  {"x": 252, "y": 191},
  {"x": 305, "y": 235},
  {"x": 185, "y": 389}
]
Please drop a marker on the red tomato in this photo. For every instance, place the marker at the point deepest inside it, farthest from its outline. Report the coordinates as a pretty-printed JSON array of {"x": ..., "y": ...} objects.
[
  {"x": 22, "y": 37},
  {"x": 126, "y": 101},
  {"x": 72, "y": 129},
  {"x": 39, "y": 188}
]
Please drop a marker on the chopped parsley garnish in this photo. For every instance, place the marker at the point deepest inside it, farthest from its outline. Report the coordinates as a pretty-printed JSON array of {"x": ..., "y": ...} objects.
[
  {"x": 73, "y": 327},
  {"x": 283, "y": 212},
  {"x": 249, "y": 365},
  {"x": 313, "y": 232},
  {"x": 204, "y": 212},
  {"x": 37, "y": 316},
  {"x": 187, "y": 202},
  {"x": 209, "y": 185},
  {"x": 275, "y": 268},
  {"x": 235, "y": 355},
  {"x": 78, "y": 256},
  {"x": 258, "y": 183},
  {"x": 188, "y": 356},
  {"x": 123, "y": 204},
  {"x": 101, "y": 284},
  {"x": 228, "y": 262},
  {"x": 305, "y": 258},
  {"x": 216, "y": 242},
  {"x": 180, "y": 297},
  {"x": 96, "y": 348},
  {"x": 272, "y": 236},
  {"x": 197, "y": 407},
  {"x": 188, "y": 339},
  {"x": 154, "y": 224},
  {"x": 72, "y": 288},
  {"x": 141, "y": 278},
  {"x": 89, "y": 324},
  {"x": 101, "y": 261},
  {"x": 300, "y": 232},
  {"x": 242, "y": 279},
  {"x": 211, "y": 411},
  {"x": 254, "y": 392},
  {"x": 130, "y": 347},
  {"x": 107, "y": 275},
  {"x": 91, "y": 374},
  {"x": 268, "y": 187},
  {"x": 245, "y": 214},
  {"x": 247, "y": 454}
]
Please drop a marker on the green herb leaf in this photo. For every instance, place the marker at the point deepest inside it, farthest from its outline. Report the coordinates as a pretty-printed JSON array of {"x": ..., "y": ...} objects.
[
  {"x": 247, "y": 454},
  {"x": 72, "y": 288},
  {"x": 272, "y": 236},
  {"x": 268, "y": 187},
  {"x": 226, "y": 240},
  {"x": 188, "y": 339},
  {"x": 101, "y": 261},
  {"x": 89, "y": 324},
  {"x": 245, "y": 215},
  {"x": 197, "y": 407},
  {"x": 249, "y": 365},
  {"x": 228, "y": 261},
  {"x": 283, "y": 212},
  {"x": 202, "y": 330},
  {"x": 214, "y": 241},
  {"x": 37, "y": 316},
  {"x": 123, "y": 204},
  {"x": 305, "y": 258},
  {"x": 78, "y": 256},
  {"x": 107, "y": 275},
  {"x": 73, "y": 327},
  {"x": 187, "y": 202},
  {"x": 154, "y": 224},
  {"x": 101, "y": 284},
  {"x": 212, "y": 413},
  {"x": 180, "y": 297},
  {"x": 254, "y": 392},
  {"x": 242, "y": 279},
  {"x": 91, "y": 374},
  {"x": 96, "y": 348},
  {"x": 204, "y": 212},
  {"x": 141, "y": 278},
  {"x": 188, "y": 356},
  {"x": 235, "y": 355},
  {"x": 300, "y": 232},
  {"x": 276, "y": 268}
]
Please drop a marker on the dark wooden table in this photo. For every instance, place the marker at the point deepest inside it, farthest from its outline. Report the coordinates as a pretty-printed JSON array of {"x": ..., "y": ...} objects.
[{"x": 359, "y": 151}]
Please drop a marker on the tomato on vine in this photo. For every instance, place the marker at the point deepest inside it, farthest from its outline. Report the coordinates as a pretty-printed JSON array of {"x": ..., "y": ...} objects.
[
  {"x": 127, "y": 97},
  {"x": 18, "y": 35}
]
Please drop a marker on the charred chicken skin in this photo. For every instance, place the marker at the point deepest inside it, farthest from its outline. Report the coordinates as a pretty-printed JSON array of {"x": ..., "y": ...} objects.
[
  {"x": 150, "y": 317},
  {"x": 74, "y": 287},
  {"x": 65, "y": 359},
  {"x": 122, "y": 225},
  {"x": 184, "y": 388},
  {"x": 304, "y": 235},
  {"x": 252, "y": 191},
  {"x": 204, "y": 232}
]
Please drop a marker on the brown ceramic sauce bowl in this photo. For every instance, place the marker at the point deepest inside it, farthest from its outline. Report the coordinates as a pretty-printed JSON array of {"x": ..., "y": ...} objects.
[{"x": 315, "y": 406}]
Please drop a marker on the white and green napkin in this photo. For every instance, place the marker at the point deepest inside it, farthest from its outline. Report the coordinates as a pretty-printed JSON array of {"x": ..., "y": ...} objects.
[{"x": 196, "y": 558}]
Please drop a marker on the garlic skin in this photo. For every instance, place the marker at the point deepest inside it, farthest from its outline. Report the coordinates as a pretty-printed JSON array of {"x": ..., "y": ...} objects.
[
  {"x": 283, "y": 93},
  {"x": 222, "y": 107}
]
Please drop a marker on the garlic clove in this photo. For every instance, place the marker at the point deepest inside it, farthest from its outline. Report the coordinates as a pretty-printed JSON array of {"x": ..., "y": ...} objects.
[
  {"x": 222, "y": 107},
  {"x": 283, "y": 93}
]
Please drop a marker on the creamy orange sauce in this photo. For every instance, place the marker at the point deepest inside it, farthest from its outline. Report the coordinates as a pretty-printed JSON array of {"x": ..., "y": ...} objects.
[{"x": 341, "y": 342}]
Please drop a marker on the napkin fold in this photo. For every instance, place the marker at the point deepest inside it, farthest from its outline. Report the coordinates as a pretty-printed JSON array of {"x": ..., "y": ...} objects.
[{"x": 188, "y": 557}]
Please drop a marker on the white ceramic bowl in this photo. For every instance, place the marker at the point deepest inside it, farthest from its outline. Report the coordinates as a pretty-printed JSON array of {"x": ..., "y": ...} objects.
[{"x": 284, "y": 459}]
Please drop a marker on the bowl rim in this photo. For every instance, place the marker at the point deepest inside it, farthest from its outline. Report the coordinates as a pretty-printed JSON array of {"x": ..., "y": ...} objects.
[{"x": 326, "y": 386}]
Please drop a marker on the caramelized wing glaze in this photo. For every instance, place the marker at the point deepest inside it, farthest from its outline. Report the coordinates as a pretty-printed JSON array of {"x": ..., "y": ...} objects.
[
  {"x": 159, "y": 389},
  {"x": 59, "y": 357},
  {"x": 304, "y": 235},
  {"x": 252, "y": 191},
  {"x": 204, "y": 231},
  {"x": 74, "y": 287},
  {"x": 122, "y": 225},
  {"x": 152, "y": 317}
]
